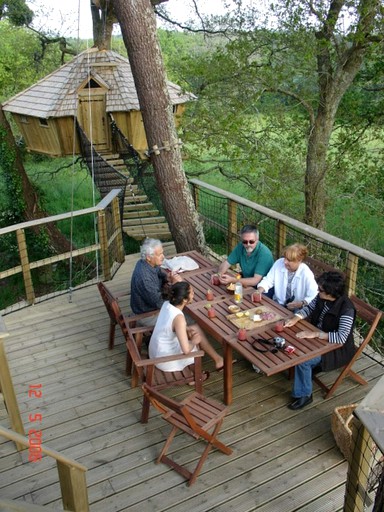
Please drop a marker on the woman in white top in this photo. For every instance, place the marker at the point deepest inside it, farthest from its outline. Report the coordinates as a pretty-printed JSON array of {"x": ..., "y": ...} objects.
[
  {"x": 172, "y": 335},
  {"x": 293, "y": 281}
]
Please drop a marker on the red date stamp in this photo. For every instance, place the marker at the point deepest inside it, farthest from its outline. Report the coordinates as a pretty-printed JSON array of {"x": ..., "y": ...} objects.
[{"x": 35, "y": 435}]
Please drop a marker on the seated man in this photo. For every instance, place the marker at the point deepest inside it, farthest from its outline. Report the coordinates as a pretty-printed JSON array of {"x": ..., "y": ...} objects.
[
  {"x": 149, "y": 280},
  {"x": 254, "y": 258}
]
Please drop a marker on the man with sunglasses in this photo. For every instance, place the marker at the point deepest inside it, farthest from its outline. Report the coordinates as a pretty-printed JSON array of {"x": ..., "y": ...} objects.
[{"x": 254, "y": 258}]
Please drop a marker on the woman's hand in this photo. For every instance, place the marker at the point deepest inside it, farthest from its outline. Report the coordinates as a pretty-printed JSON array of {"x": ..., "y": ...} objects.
[
  {"x": 307, "y": 334},
  {"x": 292, "y": 321},
  {"x": 294, "y": 305}
]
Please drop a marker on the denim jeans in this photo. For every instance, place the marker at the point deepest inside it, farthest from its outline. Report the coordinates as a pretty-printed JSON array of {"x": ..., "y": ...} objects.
[{"x": 302, "y": 384}]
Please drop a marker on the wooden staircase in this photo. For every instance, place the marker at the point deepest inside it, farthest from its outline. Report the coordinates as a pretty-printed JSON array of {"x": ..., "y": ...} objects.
[{"x": 140, "y": 217}]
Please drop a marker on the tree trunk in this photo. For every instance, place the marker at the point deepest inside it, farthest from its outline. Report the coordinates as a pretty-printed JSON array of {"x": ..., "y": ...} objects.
[
  {"x": 138, "y": 26},
  {"x": 14, "y": 169},
  {"x": 334, "y": 78}
]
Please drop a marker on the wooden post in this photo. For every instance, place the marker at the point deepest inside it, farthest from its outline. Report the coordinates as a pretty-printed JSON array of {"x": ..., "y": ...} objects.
[
  {"x": 351, "y": 272},
  {"x": 23, "y": 251},
  {"x": 116, "y": 221},
  {"x": 281, "y": 238},
  {"x": 73, "y": 488},
  {"x": 104, "y": 254},
  {"x": 73, "y": 483},
  {"x": 232, "y": 225},
  {"x": 7, "y": 389},
  {"x": 358, "y": 470}
]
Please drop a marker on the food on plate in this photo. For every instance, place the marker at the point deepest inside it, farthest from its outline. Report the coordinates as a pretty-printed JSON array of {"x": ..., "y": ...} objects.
[
  {"x": 257, "y": 318},
  {"x": 231, "y": 287},
  {"x": 267, "y": 315},
  {"x": 239, "y": 314},
  {"x": 246, "y": 313},
  {"x": 233, "y": 308}
]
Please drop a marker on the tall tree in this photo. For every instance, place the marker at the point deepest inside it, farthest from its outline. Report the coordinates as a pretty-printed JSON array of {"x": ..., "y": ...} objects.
[
  {"x": 138, "y": 26},
  {"x": 294, "y": 64}
]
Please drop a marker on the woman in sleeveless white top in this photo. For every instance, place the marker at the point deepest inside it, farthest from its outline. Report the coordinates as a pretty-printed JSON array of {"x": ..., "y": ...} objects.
[{"x": 172, "y": 335}]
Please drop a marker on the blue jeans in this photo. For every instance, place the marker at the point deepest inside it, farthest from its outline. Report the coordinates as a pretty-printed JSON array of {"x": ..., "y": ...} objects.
[{"x": 302, "y": 384}]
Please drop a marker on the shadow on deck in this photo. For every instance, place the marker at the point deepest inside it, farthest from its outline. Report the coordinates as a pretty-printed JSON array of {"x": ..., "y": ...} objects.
[{"x": 282, "y": 460}]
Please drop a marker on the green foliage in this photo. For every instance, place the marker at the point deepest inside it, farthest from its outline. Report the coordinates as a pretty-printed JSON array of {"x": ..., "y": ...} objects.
[{"x": 17, "y": 11}]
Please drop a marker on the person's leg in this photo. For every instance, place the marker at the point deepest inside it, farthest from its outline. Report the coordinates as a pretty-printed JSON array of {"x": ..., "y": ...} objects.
[
  {"x": 196, "y": 332},
  {"x": 302, "y": 384}
]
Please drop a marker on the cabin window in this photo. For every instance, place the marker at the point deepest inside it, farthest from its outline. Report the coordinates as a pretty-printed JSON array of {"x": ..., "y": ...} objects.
[
  {"x": 92, "y": 84},
  {"x": 43, "y": 122},
  {"x": 24, "y": 119}
]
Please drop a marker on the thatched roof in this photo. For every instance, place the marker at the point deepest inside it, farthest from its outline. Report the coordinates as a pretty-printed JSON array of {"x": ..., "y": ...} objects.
[{"x": 56, "y": 94}]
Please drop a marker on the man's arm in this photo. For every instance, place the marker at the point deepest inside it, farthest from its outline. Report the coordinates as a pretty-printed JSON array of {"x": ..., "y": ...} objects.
[{"x": 223, "y": 267}]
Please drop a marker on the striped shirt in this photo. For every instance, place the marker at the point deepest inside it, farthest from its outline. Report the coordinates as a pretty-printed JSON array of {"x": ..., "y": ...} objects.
[{"x": 345, "y": 321}]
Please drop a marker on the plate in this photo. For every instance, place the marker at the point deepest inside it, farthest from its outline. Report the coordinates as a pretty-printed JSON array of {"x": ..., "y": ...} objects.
[{"x": 233, "y": 308}]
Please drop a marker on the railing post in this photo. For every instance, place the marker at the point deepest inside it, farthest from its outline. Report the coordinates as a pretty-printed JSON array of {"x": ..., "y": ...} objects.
[
  {"x": 358, "y": 470},
  {"x": 116, "y": 222},
  {"x": 281, "y": 241},
  {"x": 8, "y": 391},
  {"x": 351, "y": 272},
  {"x": 26, "y": 269},
  {"x": 73, "y": 488},
  {"x": 232, "y": 225},
  {"x": 104, "y": 254}
]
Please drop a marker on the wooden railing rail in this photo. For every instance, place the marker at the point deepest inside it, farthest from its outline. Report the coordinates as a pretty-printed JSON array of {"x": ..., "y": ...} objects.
[
  {"x": 353, "y": 253},
  {"x": 71, "y": 474},
  {"x": 103, "y": 245}
]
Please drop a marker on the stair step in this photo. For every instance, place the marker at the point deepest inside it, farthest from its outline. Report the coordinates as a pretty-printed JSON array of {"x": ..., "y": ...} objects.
[
  {"x": 113, "y": 156},
  {"x": 134, "y": 199},
  {"x": 147, "y": 221},
  {"x": 134, "y": 207},
  {"x": 137, "y": 214}
]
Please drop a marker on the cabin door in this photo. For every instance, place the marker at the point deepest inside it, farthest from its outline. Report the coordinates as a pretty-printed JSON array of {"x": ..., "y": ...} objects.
[{"x": 93, "y": 120}]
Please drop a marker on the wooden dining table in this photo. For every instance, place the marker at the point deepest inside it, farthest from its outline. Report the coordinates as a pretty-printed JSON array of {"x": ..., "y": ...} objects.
[{"x": 225, "y": 325}]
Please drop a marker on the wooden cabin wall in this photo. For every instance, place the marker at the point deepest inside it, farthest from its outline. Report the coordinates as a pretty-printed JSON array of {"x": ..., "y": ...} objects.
[
  {"x": 39, "y": 137},
  {"x": 65, "y": 131}
]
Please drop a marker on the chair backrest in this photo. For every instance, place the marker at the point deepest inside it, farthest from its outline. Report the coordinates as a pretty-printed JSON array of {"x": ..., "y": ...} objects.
[
  {"x": 369, "y": 314},
  {"x": 108, "y": 299},
  {"x": 318, "y": 267},
  {"x": 129, "y": 340},
  {"x": 164, "y": 404}
]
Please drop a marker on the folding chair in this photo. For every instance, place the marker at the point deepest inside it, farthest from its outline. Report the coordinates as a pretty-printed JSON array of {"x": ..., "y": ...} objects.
[
  {"x": 370, "y": 317},
  {"x": 144, "y": 369},
  {"x": 197, "y": 416}
]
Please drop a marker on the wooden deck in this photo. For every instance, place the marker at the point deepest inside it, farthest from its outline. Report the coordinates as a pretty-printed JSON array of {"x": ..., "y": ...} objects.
[{"x": 282, "y": 460}]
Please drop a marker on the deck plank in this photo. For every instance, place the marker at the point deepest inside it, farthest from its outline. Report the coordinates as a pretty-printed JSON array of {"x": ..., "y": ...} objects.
[{"x": 282, "y": 460}]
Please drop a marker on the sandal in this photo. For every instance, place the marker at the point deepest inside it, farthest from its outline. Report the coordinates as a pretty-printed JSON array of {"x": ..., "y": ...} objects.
[{"x": 221, "y": 368}]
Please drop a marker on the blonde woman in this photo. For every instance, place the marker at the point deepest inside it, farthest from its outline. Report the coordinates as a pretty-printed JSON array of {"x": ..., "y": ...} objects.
[{"x": 293, "y": 282}]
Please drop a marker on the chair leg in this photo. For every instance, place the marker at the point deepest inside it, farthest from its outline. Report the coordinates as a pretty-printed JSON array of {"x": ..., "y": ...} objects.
[{"x": 111, "y": 339}]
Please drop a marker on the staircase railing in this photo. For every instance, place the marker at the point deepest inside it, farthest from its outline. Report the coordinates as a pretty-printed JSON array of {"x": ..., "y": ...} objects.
[{"x": 104, "y": 175}]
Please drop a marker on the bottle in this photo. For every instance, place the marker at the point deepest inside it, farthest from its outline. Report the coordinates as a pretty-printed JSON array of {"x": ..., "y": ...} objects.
[{"x": 238, "y": 296}]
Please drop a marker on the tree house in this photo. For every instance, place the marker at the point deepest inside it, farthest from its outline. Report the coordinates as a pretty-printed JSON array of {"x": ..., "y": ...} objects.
[{"x": 92, "y": 87}]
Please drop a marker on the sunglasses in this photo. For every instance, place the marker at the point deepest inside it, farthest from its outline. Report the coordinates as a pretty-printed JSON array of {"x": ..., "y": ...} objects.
[{"x": 250, "y": 242}]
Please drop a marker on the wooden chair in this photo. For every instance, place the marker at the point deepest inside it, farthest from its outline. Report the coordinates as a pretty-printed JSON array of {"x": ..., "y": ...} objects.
[
  {"x": 197, "y": 416},
  {"x": 145, "y": 370},
  {"x": 370, "y": 317},
  {"x": 108, "y": 297}
]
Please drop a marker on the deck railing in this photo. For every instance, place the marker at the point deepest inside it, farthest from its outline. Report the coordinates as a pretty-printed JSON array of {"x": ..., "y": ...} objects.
[
  {"x": 223, "y": 214},
  {"x": 73, "y": 483},
  {"x": 99, "y": 257}
]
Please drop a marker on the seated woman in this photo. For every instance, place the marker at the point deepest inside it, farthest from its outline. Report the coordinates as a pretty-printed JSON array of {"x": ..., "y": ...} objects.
[
  {"x": 172, "y": 335},
  {"x": 292, "y": 280},
  {"x": 334, "y": 315}
]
